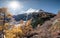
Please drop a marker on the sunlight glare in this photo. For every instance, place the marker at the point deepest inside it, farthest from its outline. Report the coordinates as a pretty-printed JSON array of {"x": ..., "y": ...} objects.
[{"x": 14, "y": 5}]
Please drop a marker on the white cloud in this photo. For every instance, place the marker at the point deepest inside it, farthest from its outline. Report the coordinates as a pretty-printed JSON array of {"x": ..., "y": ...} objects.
[{"x": 30, "y": 10}]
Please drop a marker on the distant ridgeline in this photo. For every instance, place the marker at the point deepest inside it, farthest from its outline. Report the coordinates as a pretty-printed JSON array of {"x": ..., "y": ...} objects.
[
  {"x": 37, "y": 17},
  {"x": 40, "y": 14}
]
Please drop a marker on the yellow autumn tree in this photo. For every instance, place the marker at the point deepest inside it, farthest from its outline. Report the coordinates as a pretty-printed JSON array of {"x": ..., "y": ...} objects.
[{"x": 15, "y": 31}]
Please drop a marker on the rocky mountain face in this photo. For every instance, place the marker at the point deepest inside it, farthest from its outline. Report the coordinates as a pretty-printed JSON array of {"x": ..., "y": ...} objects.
[{"x": 41, "y": 17}]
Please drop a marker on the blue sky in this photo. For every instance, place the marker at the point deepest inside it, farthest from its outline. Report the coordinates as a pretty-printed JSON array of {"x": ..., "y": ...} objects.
[{"x": 52, "y": 6}]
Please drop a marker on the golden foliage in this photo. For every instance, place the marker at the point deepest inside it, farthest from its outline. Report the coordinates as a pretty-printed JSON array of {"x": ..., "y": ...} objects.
[
  {"x": 1, "y": 28},
  {"x": 12, "y": 33},
  {"x": 19, "y": 31},
  {"x": 28, "y": 28}
]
